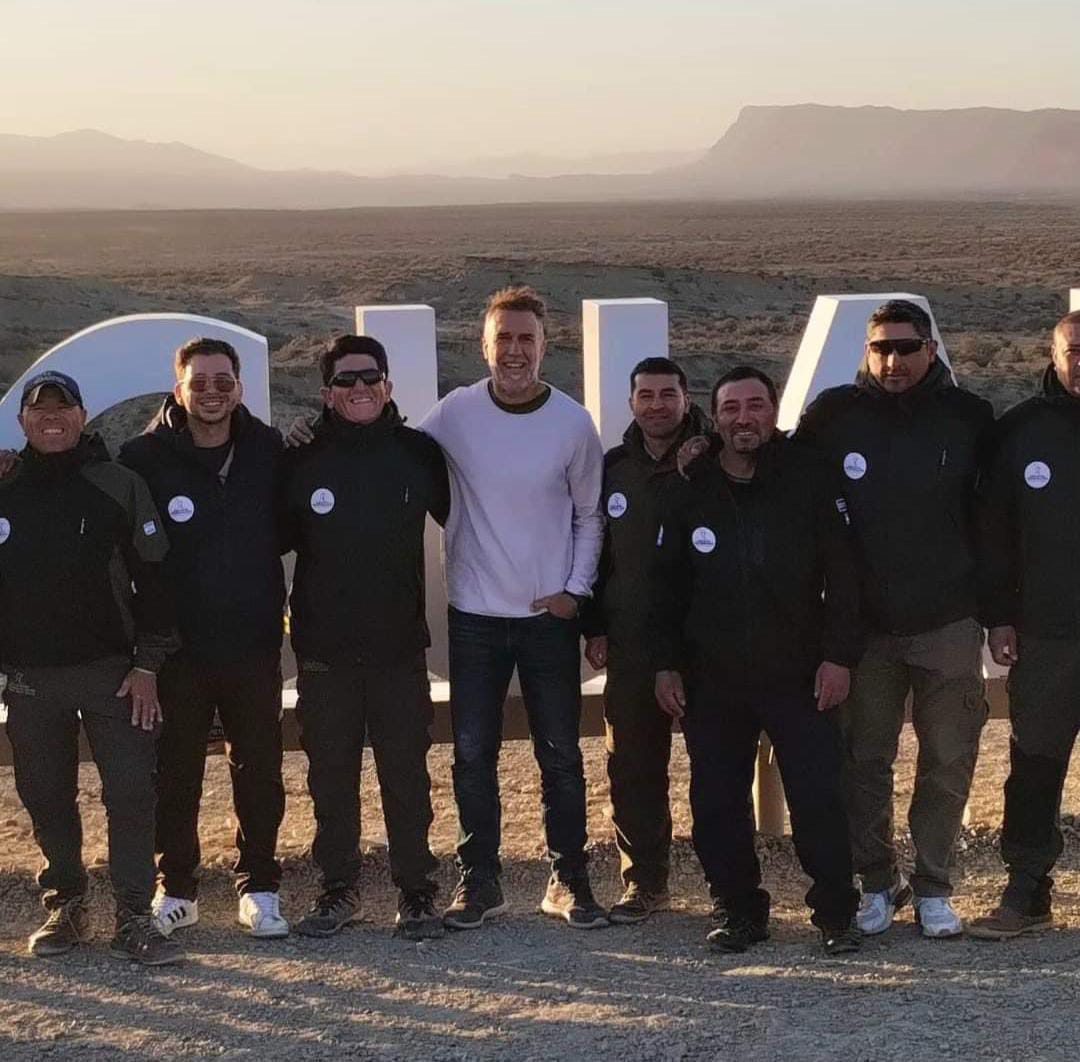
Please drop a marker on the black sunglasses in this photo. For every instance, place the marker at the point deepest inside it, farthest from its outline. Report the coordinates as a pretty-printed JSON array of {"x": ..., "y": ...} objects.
[
  {"x": 349, "y": 377},
  {"x": 885, "y": 347}
]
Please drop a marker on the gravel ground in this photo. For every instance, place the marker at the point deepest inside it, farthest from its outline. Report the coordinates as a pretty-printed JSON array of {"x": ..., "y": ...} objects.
[{"x": 529, "y": 988}]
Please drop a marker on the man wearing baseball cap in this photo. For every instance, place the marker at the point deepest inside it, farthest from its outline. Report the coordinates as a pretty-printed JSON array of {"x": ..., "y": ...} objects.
[{"x": 84, "y": 628}]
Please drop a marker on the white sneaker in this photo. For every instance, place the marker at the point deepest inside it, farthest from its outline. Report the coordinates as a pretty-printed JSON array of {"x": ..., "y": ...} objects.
[
  {"x": 172, "y": 912},
  {"x": 877, "y": 909},
  {"x": 936, "y": 916},
  {"x": 260, "y": 915}
]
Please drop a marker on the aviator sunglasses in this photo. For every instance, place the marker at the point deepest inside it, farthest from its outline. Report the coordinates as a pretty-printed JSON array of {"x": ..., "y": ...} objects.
[
  {"x": 885, "y": 347},
  {"x": 222, "y": 384},
  {"x": 349, "y": 377}
]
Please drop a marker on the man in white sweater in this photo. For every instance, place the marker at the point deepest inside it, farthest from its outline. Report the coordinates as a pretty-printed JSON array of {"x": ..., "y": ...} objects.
[{"x": 522, "y": 547}]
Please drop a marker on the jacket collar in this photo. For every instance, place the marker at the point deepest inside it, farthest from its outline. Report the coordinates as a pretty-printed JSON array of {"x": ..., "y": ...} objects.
[
  {"x": 938, "y": 378},
  {"x": 89, "y": 449}
]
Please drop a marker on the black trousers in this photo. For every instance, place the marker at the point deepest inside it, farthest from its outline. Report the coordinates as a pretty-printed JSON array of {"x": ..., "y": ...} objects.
[
  {"x": 638, "y": 737},
  {"x": 1044, "y": 708},
  {"x": 722, "y": 732},
  {"x": 44, "y": 705},
  {"x": 390, "y": 704},
  {"x": 246, "y": 693}
]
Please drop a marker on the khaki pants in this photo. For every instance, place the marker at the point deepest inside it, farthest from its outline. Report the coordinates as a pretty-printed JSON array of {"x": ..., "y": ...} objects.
[{"x": 942, "y": 669}]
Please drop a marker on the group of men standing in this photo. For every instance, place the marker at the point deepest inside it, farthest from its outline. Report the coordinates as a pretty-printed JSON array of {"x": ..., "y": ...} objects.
[{"x": 802, "y": 587}]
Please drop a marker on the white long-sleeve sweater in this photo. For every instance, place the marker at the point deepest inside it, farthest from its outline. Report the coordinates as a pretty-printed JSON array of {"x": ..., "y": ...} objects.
[{"x": 525, "y": 516}]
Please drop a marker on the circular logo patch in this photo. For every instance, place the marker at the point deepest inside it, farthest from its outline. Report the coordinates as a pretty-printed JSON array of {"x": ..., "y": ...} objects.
[
  {"x": 322, "y": 500},
  {"x": 854, "y": 466},
  {"x": 1037, "y": 475},
  {"x": 181, "y": 509},
  {"x": 617, "y": 505},
  {"x": 703, "y": 540},
  {"x": 5, "y": 529}
]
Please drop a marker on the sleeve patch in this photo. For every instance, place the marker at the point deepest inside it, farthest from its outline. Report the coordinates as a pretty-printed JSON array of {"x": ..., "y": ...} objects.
[{"x": 149, "y": 528}]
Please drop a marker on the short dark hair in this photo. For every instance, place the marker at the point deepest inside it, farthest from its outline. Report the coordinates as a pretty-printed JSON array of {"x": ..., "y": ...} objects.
[
  {"x": 744, "y": 372},
  {"x": 350, "y": 344},
  {"x": 204, "y": 345},
  {"x": 656, "y": 367},
  {"x": 1072, "y": 318},
  {"x": 902, "y": 311}
]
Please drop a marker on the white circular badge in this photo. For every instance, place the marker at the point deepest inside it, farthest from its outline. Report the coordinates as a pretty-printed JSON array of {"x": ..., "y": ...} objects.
[
  {"x": 322, "y": 500},
  {"x": 703, "y": 540},
  {"x": 1037, "y": 475},
  {"x": 854, "y": 466},
  {"x": 181, "y": 509},
  {"x": 5, "y": 529},
  {"x": 617, "y": 505}
]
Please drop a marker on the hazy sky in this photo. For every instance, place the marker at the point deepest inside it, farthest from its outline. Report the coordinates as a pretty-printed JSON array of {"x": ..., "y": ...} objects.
[{"x": 372, "y": 86}]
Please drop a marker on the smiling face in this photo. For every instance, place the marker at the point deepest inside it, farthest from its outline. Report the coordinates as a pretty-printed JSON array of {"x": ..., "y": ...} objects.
[
  {"x": 744, "y": 416},
  {"x": 659, "y": 405},
  {"x": 52, "y": 424},
  {"x": 513, "y": 349},
  {"x": 358, "y": 402},
  {"x": 208, "y": 388}
]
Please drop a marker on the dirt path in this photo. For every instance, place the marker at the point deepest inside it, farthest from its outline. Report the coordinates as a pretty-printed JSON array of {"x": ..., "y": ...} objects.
[{"x": 526, "y": 987}]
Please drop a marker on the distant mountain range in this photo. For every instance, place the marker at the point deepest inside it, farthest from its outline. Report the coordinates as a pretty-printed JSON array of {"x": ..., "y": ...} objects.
[{"x": 805, "y": 151}]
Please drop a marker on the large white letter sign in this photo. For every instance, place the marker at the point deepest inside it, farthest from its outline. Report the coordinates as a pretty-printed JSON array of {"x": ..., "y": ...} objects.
[
  {"x": 408, "y": 334},
  {"x": 832, "y": 348},
  {"x": 132, "y": 356},
  {"x": 1074, "y": 299},
  {"x": 616, "y": 335}
]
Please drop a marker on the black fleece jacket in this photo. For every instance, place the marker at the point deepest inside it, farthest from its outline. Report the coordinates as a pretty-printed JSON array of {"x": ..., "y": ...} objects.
[
  {"x": 634, "y": 486},
  {"x": 81, "y": 551},
  {"x": 754, "y": 584},
  {"x": 910, "y": 464},
  {"x": 1029, "y": 517},
  {"x": 356, "y": 506},
  {"x": 224, "y": 566}
]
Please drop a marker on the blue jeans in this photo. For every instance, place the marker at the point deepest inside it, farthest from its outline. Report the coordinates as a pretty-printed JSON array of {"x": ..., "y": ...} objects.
[{"x": 483, "y": 653}]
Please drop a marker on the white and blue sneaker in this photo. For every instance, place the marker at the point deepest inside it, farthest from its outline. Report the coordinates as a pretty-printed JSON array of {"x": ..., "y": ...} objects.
[
  {"x": 877, "y": 909},
  {"x": 173, "y": 912},
  {"x": 937, "y": 918}
]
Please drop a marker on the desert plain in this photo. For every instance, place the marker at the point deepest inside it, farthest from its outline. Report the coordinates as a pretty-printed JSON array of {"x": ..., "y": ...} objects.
[{"x": 740, "y": 281}]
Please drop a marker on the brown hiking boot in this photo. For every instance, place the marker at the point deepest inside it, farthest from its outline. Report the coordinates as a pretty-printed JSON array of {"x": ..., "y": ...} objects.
[
  {"x": 637, "y": 904},
  {"x": 1002, "y": 923},
  {"x": 66, "y": 926}
]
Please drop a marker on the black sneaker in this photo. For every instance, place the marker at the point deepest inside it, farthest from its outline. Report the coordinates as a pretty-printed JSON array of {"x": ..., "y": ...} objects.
[
  {"x": 735, "y": 932},
  {"x": 139, "y": 939},
  {"x": 330, "y": 913},
  {"x": 841, "y": 940},
  {"x": 573, "y": 901},
  {"x": 637, "y": 904},
  {"x": 66, "y": 926},
  {"x": 417, "y": 918},
  {"x": 475, "y": 900}
]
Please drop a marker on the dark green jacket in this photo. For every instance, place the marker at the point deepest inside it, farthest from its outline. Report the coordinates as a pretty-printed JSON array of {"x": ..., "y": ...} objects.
[
  {"x": 81, "y": 551},
  {"x": 754, "y": 585},
  {"x": 910, "y": 464},
  {"x": 357, "y": 500},
  {"x": 1029, "y": 517},
  {"x": 634, "y": 485}
]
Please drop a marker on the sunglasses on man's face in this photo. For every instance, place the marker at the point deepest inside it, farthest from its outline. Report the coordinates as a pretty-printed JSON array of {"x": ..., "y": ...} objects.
[
  {"x": 350, "y": 377},
  {"x": 222, "y": 384},
  {"x": 885, "y": 347}
]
